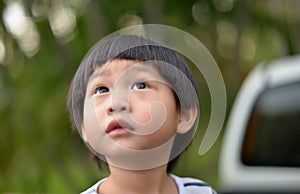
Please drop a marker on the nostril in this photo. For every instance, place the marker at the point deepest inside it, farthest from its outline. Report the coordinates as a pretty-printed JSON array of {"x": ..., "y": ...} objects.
[
  {"x": 111, "y": 109},
  {"x": 123, "y": 108}
]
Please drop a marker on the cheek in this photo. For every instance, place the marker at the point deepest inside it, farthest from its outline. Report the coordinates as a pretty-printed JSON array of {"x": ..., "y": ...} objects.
[
  {"x": 148, "y": 109},
  {"x": 142, "y": 113},
  {"x": 154, "y": 111},
  {"x": 92, "y": 130},
  {"x": 173, "y": 115},
  {"x": 166, "y": 131},
  {"x": 140, "y": 105}
]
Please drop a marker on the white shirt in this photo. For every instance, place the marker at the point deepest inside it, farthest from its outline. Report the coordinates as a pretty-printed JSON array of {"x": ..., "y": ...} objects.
[{"x": 184, "y": 185}]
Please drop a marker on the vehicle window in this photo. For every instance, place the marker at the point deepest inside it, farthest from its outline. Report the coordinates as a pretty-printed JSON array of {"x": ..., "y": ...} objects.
[{"x": 272, "y": 137}]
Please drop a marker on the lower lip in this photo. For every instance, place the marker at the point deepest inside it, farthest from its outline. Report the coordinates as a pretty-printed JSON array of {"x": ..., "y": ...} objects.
[{"x": 118, "y": 132}]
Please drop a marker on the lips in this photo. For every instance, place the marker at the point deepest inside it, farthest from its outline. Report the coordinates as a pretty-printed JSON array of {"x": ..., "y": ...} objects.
[{"x": 118, "y": 128}]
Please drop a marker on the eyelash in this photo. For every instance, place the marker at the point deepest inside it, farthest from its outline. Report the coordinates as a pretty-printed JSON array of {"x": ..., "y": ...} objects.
[
  {"x": 100, "y": 89},
  {"x": 146, "y": 85}
]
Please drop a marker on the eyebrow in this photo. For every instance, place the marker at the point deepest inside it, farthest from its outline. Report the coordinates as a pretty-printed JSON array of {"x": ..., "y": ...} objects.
[
  {"x": 139, "y": 67},
  {"x": 142, "y": 67},
  {"x": 97, "y": 73}
]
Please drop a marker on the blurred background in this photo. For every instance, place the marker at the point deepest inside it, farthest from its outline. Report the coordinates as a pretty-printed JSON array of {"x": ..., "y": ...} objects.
[{"x": 42, "y": 42}]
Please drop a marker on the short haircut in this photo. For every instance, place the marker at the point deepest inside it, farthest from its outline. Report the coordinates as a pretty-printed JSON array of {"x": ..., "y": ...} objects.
[{"x": 134, "y": 47}]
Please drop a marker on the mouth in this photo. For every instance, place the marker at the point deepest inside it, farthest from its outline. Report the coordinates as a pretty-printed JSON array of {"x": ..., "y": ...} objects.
[{"x": 118, "y": 128}]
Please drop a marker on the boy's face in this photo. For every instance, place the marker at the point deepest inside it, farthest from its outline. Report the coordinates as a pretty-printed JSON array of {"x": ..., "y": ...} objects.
[{"x": 128, "y": 105}]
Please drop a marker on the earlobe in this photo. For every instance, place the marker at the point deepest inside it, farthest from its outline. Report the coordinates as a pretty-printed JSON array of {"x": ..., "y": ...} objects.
[
  {"x": 83, "y": 135},
  {"x": 187, "y": 119}
]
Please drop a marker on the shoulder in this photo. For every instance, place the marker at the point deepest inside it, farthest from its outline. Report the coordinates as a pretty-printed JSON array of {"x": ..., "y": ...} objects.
[
  {"x": 188, "y": 185},
  {"x": 93, "y": 189}
]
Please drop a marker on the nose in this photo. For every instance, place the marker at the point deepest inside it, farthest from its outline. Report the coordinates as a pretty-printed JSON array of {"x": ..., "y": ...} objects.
[
  {"x": 118, "y": 106},
  {"x": 119, "y": 99},
  {"x": 117, "y": 109}
]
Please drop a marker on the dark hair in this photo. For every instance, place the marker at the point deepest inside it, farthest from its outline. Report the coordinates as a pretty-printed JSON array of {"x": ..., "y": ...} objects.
[{"x": 133, "y": 47}]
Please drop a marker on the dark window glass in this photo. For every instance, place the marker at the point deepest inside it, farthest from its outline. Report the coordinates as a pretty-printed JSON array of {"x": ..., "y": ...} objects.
[{"x": 273, "y": 133}]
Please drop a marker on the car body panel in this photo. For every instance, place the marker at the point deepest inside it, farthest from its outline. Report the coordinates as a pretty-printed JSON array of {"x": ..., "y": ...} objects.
[{"x": 235, "y": 176}]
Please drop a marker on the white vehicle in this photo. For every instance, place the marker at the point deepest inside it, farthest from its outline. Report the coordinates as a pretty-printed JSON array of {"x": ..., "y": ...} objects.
[{"x": 261, "y": 148}]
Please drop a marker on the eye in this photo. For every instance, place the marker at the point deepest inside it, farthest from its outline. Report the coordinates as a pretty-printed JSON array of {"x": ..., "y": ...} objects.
[
  {"x": 139, "y": 86},
  {"x": 101, "y": 90}
]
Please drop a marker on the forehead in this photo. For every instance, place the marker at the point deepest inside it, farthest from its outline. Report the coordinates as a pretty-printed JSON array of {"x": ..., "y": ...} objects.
[{"x": 119, "y": 66}]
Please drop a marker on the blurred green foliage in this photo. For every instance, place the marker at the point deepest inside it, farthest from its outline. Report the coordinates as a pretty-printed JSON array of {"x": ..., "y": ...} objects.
[{"x": 42, "y": 43}]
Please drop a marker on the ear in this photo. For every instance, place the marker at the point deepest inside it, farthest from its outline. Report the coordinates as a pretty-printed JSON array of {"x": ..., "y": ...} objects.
[
  {"x": 187, "y": 119},
  {"x": 83, "y": 135}
]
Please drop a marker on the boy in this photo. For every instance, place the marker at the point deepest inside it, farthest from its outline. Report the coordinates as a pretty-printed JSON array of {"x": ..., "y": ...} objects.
[{"x": 135, "y": 104}]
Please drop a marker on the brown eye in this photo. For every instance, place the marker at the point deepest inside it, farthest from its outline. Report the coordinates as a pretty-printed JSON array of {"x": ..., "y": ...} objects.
[{"x": 101, "y": 90}]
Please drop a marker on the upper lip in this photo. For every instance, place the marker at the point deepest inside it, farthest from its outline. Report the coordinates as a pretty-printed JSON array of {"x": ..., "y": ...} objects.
[{"x": 115, "y": 124}]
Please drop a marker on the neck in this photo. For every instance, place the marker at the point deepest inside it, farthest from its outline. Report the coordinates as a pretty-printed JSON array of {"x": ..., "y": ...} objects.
[{"x": 139, "y": 181}]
